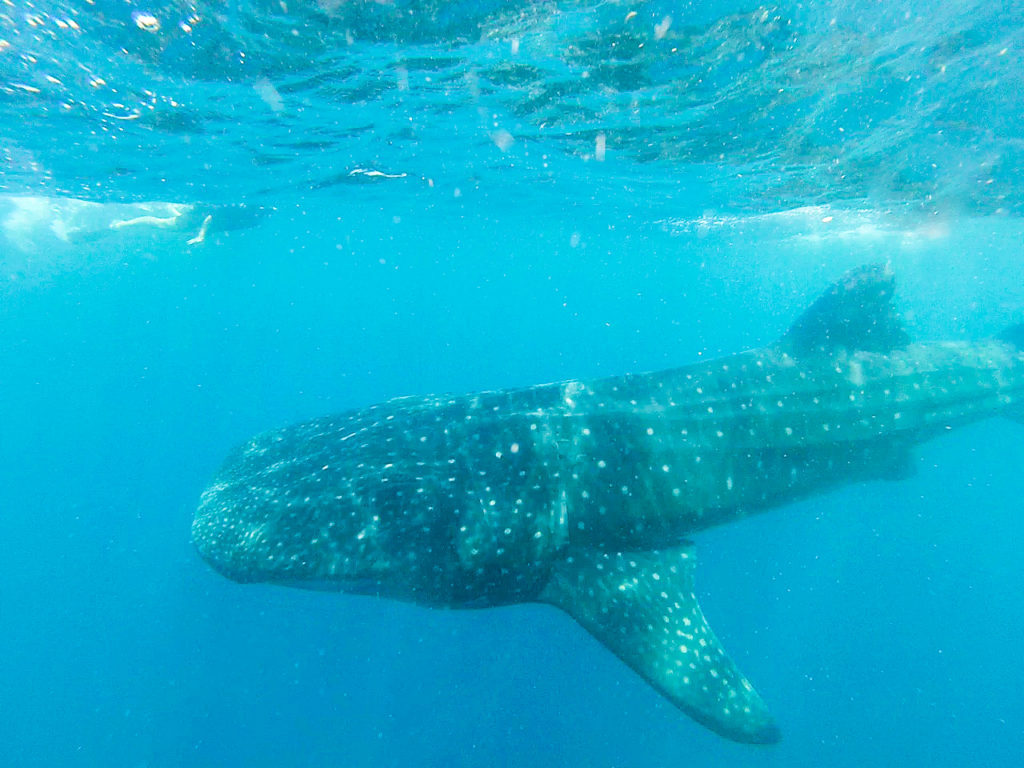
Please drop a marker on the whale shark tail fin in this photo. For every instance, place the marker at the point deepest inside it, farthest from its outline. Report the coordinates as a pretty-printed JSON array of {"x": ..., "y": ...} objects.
[
  {"x": 855, "y": 313},
  {"x": 642, "y": 606}
]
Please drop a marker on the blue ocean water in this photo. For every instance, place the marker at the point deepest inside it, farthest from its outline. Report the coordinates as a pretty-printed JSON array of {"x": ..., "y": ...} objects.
[{"x": 219, "y": 218}]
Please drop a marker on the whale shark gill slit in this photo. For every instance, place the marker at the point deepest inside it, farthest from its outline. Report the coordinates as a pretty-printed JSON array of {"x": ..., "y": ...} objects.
[{"x": 586, "y": 494}]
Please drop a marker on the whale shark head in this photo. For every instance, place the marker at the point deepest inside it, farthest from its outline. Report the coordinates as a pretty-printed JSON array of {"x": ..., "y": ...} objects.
[
  {"x": 367, "y": 503},
  {"x": 301, "y": 510}
]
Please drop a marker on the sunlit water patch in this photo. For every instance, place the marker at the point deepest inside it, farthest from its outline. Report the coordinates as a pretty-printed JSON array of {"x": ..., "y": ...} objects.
[{"x": 787, "y": 105}]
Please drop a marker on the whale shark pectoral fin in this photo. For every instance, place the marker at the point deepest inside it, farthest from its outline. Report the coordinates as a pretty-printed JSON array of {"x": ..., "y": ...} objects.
[
  {"x": 856, "y": 313},
  {"x": 643, "y": 608}
]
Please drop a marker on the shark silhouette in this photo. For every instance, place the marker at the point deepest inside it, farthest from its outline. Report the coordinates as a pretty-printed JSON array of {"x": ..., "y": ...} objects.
[{"x": 583, "y": 494}]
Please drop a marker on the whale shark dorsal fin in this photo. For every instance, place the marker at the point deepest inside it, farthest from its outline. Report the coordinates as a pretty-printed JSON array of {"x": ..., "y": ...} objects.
[
  {"x": 1014, "y": 336},
  {"x": 855, "y": 313},
  {"x": 643, "y": 608}
]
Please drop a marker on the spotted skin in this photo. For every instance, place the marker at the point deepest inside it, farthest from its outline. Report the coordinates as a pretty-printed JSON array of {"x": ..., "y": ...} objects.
[{"x": 584, "y": 494}]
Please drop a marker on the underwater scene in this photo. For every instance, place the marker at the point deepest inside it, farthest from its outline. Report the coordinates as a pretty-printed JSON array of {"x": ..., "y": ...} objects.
[{"x": 511, "y": 383}]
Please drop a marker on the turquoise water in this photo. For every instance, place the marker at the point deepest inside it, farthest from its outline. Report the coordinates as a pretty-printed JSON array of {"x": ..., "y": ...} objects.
[{"x": 388, "y": 199}]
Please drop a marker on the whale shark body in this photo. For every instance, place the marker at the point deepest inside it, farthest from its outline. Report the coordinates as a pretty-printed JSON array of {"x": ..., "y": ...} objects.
[{"x": 584, "y": 494}]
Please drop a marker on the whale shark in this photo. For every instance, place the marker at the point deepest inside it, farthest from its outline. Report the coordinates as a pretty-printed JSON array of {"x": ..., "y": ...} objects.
[{"x": 586, "y": 494}]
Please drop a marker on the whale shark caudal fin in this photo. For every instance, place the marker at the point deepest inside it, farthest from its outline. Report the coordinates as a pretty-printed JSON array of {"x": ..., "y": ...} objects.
[
  {"x": 856, "y": 313},
  {"x": 642, "y": 606}
]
